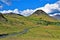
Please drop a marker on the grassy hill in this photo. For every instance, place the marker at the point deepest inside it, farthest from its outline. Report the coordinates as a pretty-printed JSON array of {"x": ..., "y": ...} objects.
[{"x": 38, "y": 26}]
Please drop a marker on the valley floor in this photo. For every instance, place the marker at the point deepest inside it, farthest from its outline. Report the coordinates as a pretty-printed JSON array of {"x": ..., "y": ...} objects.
[{"x": 37, "y": 33}]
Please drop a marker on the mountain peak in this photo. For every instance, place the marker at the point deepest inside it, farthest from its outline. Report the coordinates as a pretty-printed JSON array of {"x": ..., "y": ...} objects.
[{"x": 39, "y": 12}]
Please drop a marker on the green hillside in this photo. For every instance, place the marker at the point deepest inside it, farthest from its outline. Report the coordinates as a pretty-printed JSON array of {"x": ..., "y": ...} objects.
[{"x": 38, "y": 26}]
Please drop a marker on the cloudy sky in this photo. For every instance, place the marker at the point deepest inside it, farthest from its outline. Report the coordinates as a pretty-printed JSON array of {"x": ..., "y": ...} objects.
[{"x": 27, "y": 7}]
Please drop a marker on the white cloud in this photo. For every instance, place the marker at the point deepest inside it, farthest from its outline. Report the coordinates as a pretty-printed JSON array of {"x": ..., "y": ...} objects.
[
  {"x": 24, "y": 12},
  {"x": 48, "y": 8},
  {"x": 6, "y": 2},
  {"x": 6, "y": 11},
  {"x": 16, "y": 11},
  {"x": 9, "y": 11},
  {"x": 27, "y": 12},
  {"x": 55, "y": 14},
  {"x": 51, "y": 8}
]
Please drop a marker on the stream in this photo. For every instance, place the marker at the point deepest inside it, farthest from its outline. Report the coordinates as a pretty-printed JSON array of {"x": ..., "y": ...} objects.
[{"x": 13, "y": 34}]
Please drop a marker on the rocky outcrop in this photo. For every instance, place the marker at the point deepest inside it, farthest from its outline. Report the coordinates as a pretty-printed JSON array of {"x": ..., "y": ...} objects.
[
  {"x": 2, "y": 18},
  {"x": 39, "y": 12}
]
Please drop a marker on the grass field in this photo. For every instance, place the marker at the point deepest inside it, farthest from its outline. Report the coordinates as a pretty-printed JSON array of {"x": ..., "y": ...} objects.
[{"x": 41, "y": 27}]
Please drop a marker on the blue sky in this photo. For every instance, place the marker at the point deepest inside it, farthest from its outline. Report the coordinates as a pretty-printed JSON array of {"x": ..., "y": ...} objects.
[
  {"x": 27, "y": 7},
  {"x": 24, "y": 4}
]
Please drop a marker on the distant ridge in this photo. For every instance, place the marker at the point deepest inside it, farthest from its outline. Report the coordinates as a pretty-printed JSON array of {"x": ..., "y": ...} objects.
[
  {"x": 11, "y": 13},
  {"x": 57, "y": 17}
]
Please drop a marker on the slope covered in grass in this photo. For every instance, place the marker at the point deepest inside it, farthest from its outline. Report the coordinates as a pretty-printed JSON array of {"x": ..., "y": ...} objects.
[
  {"x": 39, "y": 26},
  {"x": 40, "y": 14}
]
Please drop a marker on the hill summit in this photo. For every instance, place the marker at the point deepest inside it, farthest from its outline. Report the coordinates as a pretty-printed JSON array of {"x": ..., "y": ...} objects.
[{"x": 39, "y": 12}]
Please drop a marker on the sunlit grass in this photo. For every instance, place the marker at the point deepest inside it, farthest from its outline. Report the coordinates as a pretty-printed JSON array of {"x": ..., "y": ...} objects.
[{"x": 37, "y": 31}]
